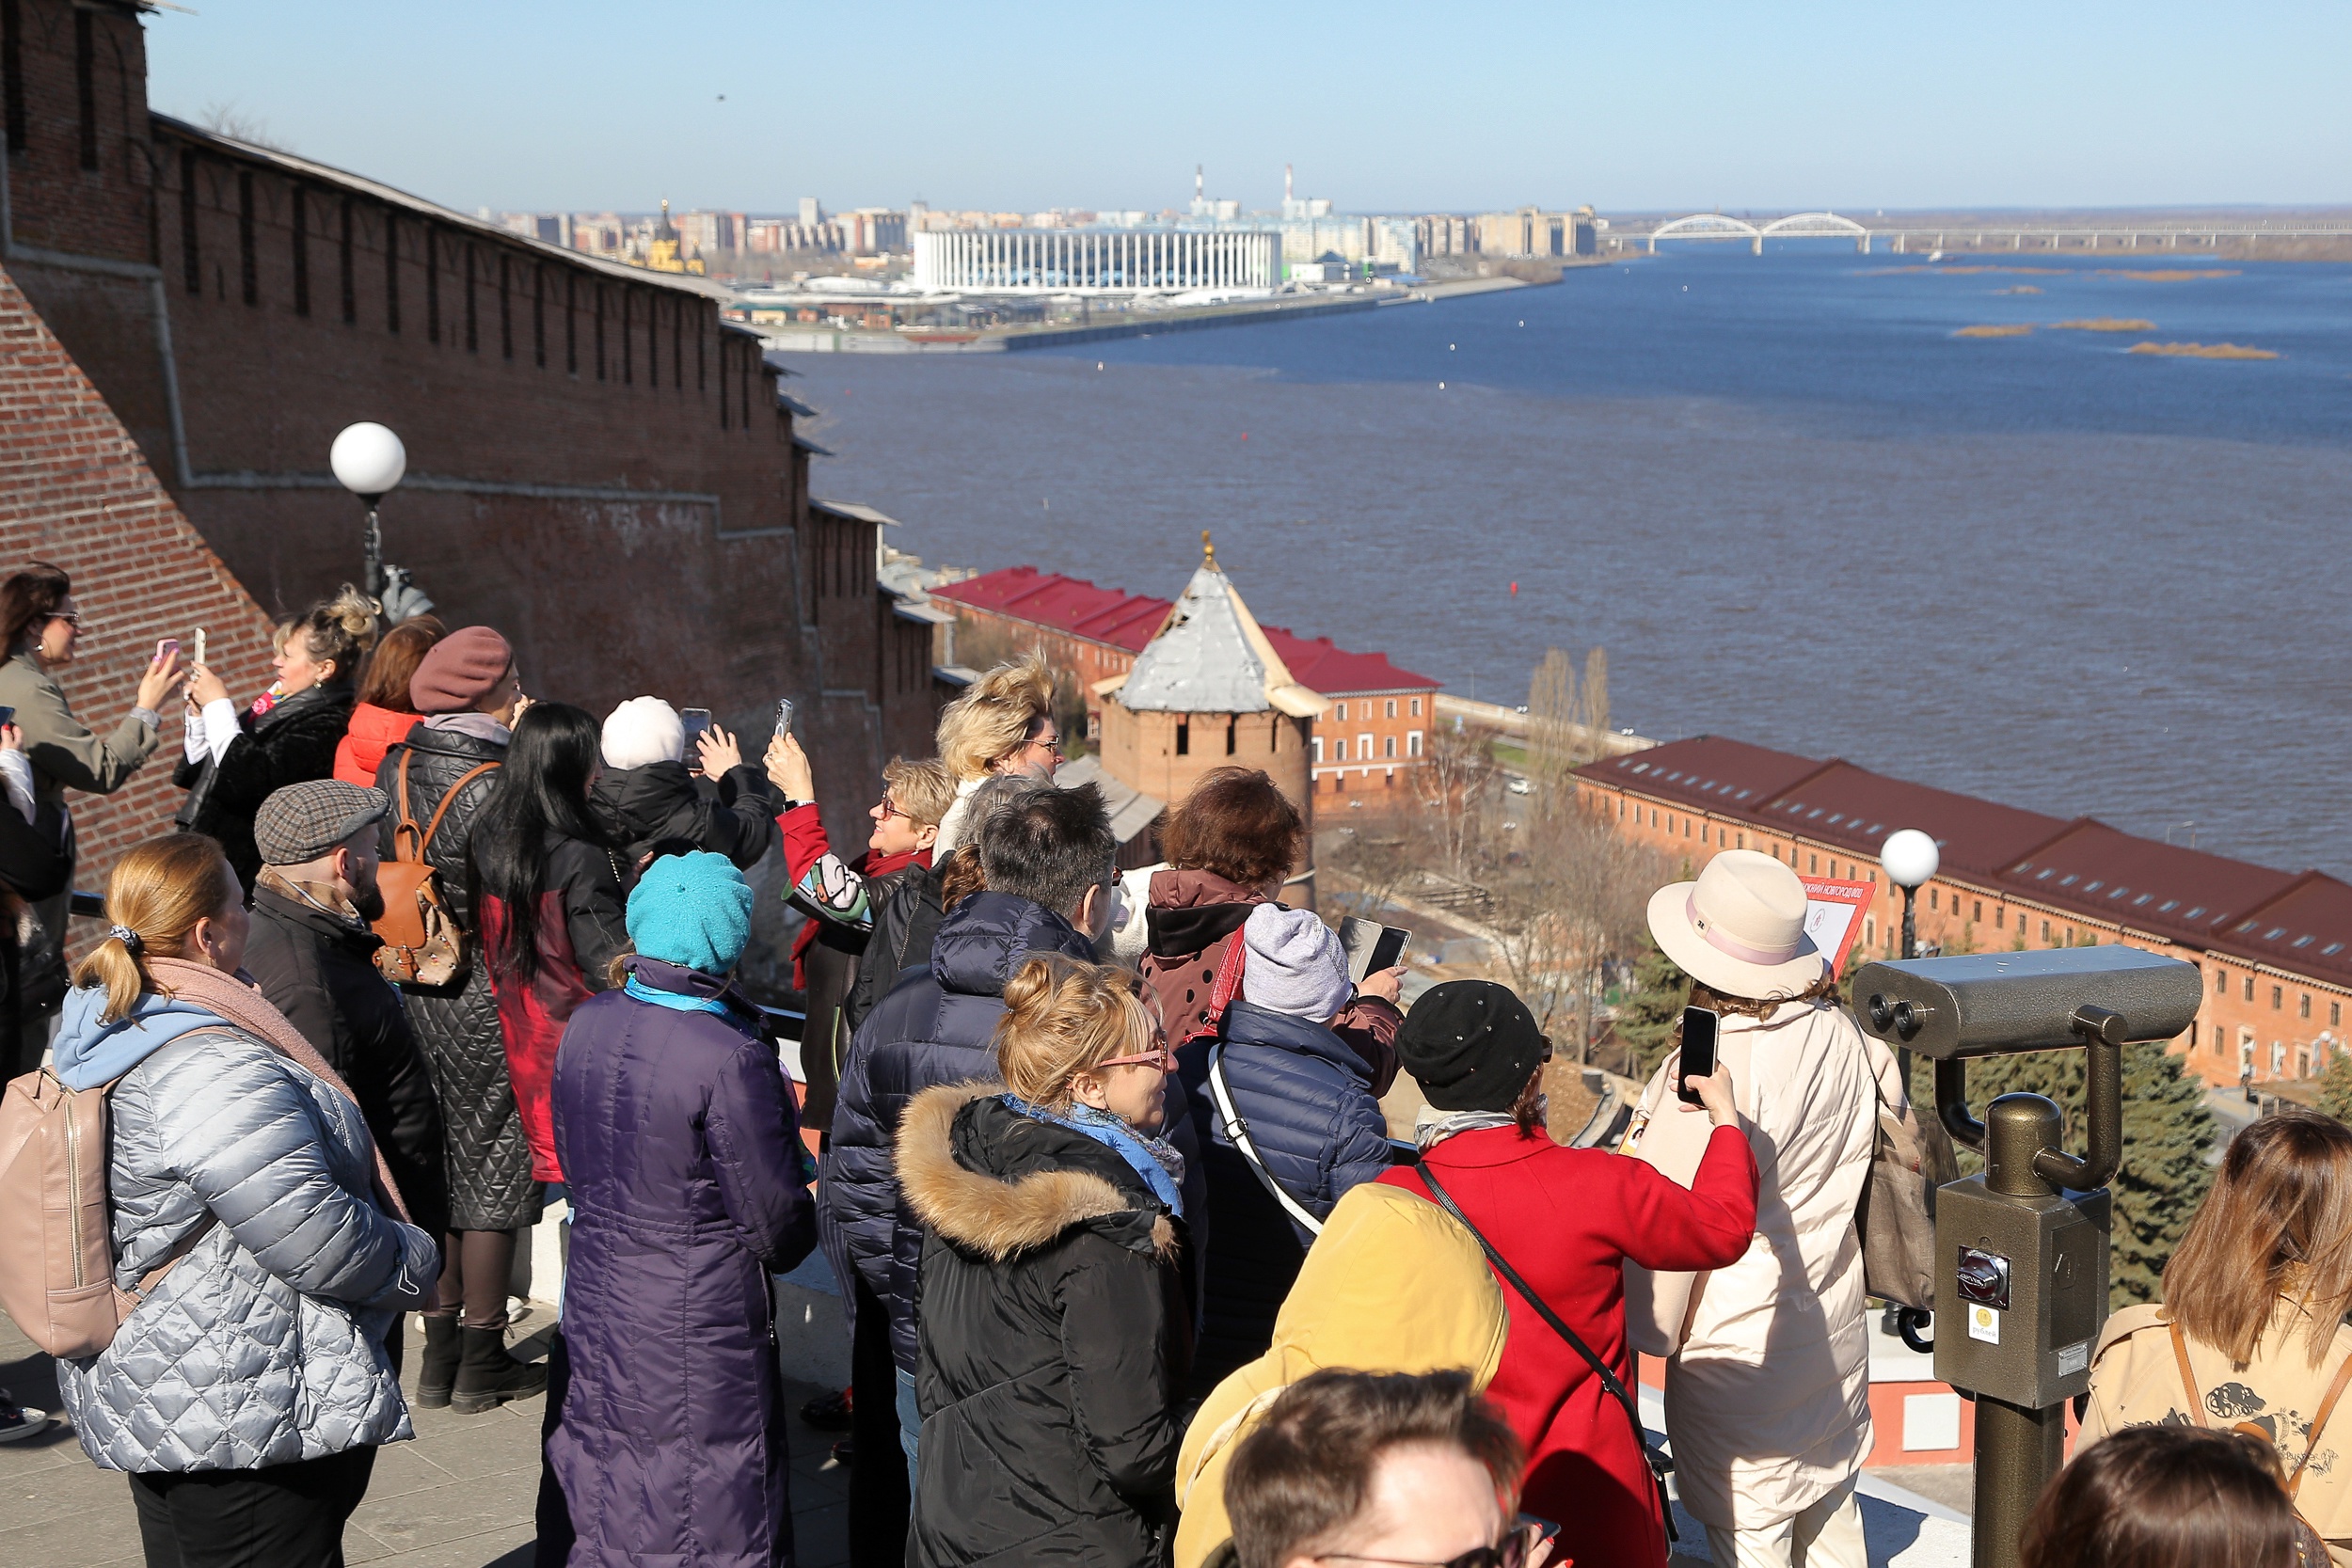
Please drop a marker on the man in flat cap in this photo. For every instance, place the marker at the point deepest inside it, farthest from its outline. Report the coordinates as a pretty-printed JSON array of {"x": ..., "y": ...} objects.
[{"x": 312, "y": 953}]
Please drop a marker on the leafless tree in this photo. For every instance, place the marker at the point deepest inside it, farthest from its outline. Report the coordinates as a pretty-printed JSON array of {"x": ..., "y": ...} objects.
[
  {"x": 1364, "y": 866},
  {"x": 1592, "y": 704},
  {"x": 1452, "y": 784},
  {"x": 1553, "y": 712},
  {"x": 241, "y": 124},
  {"x": 1571, "y": 895}
]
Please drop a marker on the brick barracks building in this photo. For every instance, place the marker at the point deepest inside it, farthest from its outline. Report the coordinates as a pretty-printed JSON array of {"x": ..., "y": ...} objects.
[
  {"x": 598, "y": 465},
  {"x": 1365, "y": 746},
  {"x": 2275, "y": 946}
]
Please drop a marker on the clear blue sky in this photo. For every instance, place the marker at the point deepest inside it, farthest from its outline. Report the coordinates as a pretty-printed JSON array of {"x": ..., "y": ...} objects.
[{"x": 1659, "y": 103}]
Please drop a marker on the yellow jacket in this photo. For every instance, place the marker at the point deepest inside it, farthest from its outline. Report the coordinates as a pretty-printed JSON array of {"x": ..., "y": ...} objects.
[
  {"x": 2136, "y": 1381},
  {"x": 1393, "y": 1285}
]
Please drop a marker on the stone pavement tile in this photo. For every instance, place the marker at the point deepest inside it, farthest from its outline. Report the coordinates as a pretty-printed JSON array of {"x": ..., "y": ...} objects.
[
  {"x": 53, "y": 1449},
  {"x": 81, "y": 1492},
  {"x": 102, "y": 1536},
  {"x": 404, "y": 1467},
  {"x": 508, "y": 1548},
  {"x": 452, "y": 1511},
  {"x": 821, "y": 1536}
]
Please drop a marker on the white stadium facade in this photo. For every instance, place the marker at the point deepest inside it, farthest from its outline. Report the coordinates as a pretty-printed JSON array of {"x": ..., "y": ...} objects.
[{"x": 1063, "y": 260}]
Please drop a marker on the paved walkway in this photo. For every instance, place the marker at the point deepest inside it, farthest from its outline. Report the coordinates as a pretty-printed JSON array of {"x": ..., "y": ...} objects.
[{"x": 461, "y": 1495}]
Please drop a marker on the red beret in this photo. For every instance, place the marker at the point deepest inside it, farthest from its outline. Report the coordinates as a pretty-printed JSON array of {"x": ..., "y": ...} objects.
[{"x": 460, "y": 670}]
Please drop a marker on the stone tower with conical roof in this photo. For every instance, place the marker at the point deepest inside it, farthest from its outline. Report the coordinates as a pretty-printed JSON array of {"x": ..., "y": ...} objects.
[{"x": 1209, "y": 691}]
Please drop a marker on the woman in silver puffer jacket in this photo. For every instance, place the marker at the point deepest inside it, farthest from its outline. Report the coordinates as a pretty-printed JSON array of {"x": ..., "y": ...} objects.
[{"x": 247, "y": 1392}]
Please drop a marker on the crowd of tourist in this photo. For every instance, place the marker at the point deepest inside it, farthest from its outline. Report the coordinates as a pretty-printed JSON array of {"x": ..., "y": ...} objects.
[{"x": 1132, "y": 1271}]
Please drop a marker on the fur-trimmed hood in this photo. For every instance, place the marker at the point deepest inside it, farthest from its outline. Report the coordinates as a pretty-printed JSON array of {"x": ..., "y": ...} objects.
[{"x": 995, "y": 1182}]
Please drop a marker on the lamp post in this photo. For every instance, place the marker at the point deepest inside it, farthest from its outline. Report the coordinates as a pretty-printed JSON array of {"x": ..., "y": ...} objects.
[
  {"x": 1910, "y": 860},
  {"x": 1909, "y": 857},
  {"x": 368, "y": 460}
]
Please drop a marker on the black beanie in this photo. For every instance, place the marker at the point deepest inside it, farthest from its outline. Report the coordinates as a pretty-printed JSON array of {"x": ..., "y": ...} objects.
[{"x": 1471, "y": 1045}]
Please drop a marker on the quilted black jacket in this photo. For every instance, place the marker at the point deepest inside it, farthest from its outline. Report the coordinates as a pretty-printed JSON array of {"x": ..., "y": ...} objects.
[{"x": 439, "y": 759}]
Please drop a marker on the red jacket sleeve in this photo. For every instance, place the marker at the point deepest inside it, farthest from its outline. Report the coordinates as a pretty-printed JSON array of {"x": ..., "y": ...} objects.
[
  {"x": 1708, "y": 1227},
  {"x": 805, "y": 841}
]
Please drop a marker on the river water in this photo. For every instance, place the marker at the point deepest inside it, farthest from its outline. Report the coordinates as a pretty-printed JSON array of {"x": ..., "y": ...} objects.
[{"x": 1790, "y": 501}]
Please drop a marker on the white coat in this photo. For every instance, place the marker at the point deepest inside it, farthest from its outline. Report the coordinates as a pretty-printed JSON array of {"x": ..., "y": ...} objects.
[{"x": 1768, "y": 1401}]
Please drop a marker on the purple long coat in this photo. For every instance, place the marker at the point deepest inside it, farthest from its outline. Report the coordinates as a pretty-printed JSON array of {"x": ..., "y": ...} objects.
[{"x": 680, "y": 1139}]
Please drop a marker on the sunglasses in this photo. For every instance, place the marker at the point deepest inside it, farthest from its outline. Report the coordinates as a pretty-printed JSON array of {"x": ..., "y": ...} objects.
[
  {"x": 1162, "y": 1058},
  {"x": 888, "y": 809},
  {"x": 1510, "y": 1552}
]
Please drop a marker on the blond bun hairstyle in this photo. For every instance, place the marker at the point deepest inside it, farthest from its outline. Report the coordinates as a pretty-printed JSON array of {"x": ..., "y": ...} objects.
[
  {"x": 158, "y": 890},
  {"x": 341, "y": 628},
  {"x": 1063, "y": 1017},
  {"x": 995, "y": 716}
]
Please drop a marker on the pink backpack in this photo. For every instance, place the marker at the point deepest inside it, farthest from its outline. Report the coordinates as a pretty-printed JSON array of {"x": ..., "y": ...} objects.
[{"x": 56, "y": 1246}]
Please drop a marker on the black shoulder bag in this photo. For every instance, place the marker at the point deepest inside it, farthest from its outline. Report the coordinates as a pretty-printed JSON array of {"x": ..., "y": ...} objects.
[{"x": 1658, "y": 1463}]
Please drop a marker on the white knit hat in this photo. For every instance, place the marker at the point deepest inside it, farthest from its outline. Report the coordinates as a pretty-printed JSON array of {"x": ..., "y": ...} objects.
[
  {"x": 643, "y": 731},
  {"x": 1296, "y": 965}
]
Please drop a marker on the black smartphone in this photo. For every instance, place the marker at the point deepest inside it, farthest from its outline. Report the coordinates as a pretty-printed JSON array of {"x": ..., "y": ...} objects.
[
  {"x": 7, "y": 715},
  {"x": 1698, "y": 1051},
  {"x": 1371, "y": 946}
]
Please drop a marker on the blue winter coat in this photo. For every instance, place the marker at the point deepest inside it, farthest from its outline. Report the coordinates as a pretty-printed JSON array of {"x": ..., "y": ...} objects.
[
  {"x": 935, "y": 1025},
  {"x": 680, "y": 1141},
  {"x": 1306, "y": 1097}
]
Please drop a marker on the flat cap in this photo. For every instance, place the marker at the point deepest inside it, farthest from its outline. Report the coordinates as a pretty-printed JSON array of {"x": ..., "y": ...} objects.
[{"x": 303, "y": 821}]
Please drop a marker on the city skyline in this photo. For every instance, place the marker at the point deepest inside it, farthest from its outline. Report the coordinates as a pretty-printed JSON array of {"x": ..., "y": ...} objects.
[{"x": 1687, "y": 106}]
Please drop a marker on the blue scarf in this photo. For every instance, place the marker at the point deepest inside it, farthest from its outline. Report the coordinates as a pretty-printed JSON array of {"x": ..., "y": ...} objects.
[
  {"x": 1156, "y": 1160},
  {"x": 677, "y": 999}
]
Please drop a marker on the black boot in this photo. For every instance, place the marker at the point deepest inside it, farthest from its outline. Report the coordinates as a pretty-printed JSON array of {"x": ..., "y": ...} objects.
[
  {"x": 488, "y": 1377},
  {"x": 437, "y": 1373}
]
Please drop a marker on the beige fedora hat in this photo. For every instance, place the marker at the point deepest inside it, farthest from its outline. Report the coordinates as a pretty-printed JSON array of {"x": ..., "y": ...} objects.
[{"x": 1739, "y": 928}]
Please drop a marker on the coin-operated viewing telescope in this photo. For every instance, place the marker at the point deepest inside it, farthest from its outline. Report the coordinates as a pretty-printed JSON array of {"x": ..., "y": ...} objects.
[{"x": 2021, "y": 1282}]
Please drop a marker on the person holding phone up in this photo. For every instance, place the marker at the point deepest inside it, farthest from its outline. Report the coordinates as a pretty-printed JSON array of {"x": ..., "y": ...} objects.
[
  {"x": 647, "y": 792},
  {"x": 1767, "y": 1380},
  {"x": 1566, "y": 1222},
  {"x": 40, "y": 631}
]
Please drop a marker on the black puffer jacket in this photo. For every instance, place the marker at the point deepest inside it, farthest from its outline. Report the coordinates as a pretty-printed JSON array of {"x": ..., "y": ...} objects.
[
  {"x": 1055, "y": 1342},
  {"x": 318, "y": 968},
  {"x": 639, "y": 806},
  {"x": 905, "y": 924},
  {"x": 437, "y": 759},
  {"x": 293, "y": 743}
]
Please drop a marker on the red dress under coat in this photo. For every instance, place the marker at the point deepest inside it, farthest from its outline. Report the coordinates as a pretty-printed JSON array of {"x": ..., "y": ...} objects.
[{"x": 1568, "y": 1219}]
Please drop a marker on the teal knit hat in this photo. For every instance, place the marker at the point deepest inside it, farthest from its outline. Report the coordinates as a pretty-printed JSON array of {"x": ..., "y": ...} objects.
[{"x": 694, "y": 910}]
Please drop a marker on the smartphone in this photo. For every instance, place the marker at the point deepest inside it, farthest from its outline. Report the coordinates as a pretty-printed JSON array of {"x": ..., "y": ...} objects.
[
  {"x": 199, "y": 644},
  {"x": 697, "y": 725},
  {"x": 1698, "y": 1051},
  {"x": 1545, "y": 1529},
  {"x": 1371, "y": 946},
  {"x": 165, "y": 648},
  {"x": 783, "y": 716},
  {"x": 7, "y": 715}
]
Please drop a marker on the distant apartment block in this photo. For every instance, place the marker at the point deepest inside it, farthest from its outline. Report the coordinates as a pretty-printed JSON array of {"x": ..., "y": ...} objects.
[
  {"x": 1367, "y": 745},
  {"x": 2275, "y": 946},
  {"x": 1531, "y": 233}
]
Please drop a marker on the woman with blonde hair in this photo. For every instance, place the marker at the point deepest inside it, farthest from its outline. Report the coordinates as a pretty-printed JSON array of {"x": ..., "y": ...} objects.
[
  {"x": 1054, "y": 1331},
  {"x": 2250, "y": 1334},
  {"x": 254, "y": 1221},
  {"x": 235, "y": 761},
  {"x": 1003, "y": 723}
]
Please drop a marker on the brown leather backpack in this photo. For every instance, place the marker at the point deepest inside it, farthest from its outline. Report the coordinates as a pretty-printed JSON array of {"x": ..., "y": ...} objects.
[{"x": 423, "y": 944}]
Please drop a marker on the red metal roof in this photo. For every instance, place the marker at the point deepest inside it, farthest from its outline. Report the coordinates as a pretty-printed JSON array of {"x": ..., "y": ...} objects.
[
  {"x": 1129, "y": 621},
  {"x": 2186, "y": 895}
]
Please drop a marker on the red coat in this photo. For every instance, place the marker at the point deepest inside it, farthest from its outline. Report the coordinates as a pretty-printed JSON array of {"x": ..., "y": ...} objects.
[
  {"x": 1568, "y": 1219},
  {"x": 372, "y": 731}
]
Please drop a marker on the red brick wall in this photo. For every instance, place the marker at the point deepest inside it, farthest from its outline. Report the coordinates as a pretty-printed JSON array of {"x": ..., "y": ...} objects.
[
  {"x": 75, "y": 491},
  {"x": 220, "y": 277}
]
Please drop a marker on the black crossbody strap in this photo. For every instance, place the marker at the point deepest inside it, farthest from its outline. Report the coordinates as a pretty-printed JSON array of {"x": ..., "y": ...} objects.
[{"x": 1609, "y": 1379}]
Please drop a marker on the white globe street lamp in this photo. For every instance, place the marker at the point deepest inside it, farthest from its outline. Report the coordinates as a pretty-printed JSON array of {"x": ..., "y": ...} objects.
[
  {"x": 1910, "y": 859},
  {"x": 368, "y": 460}
]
